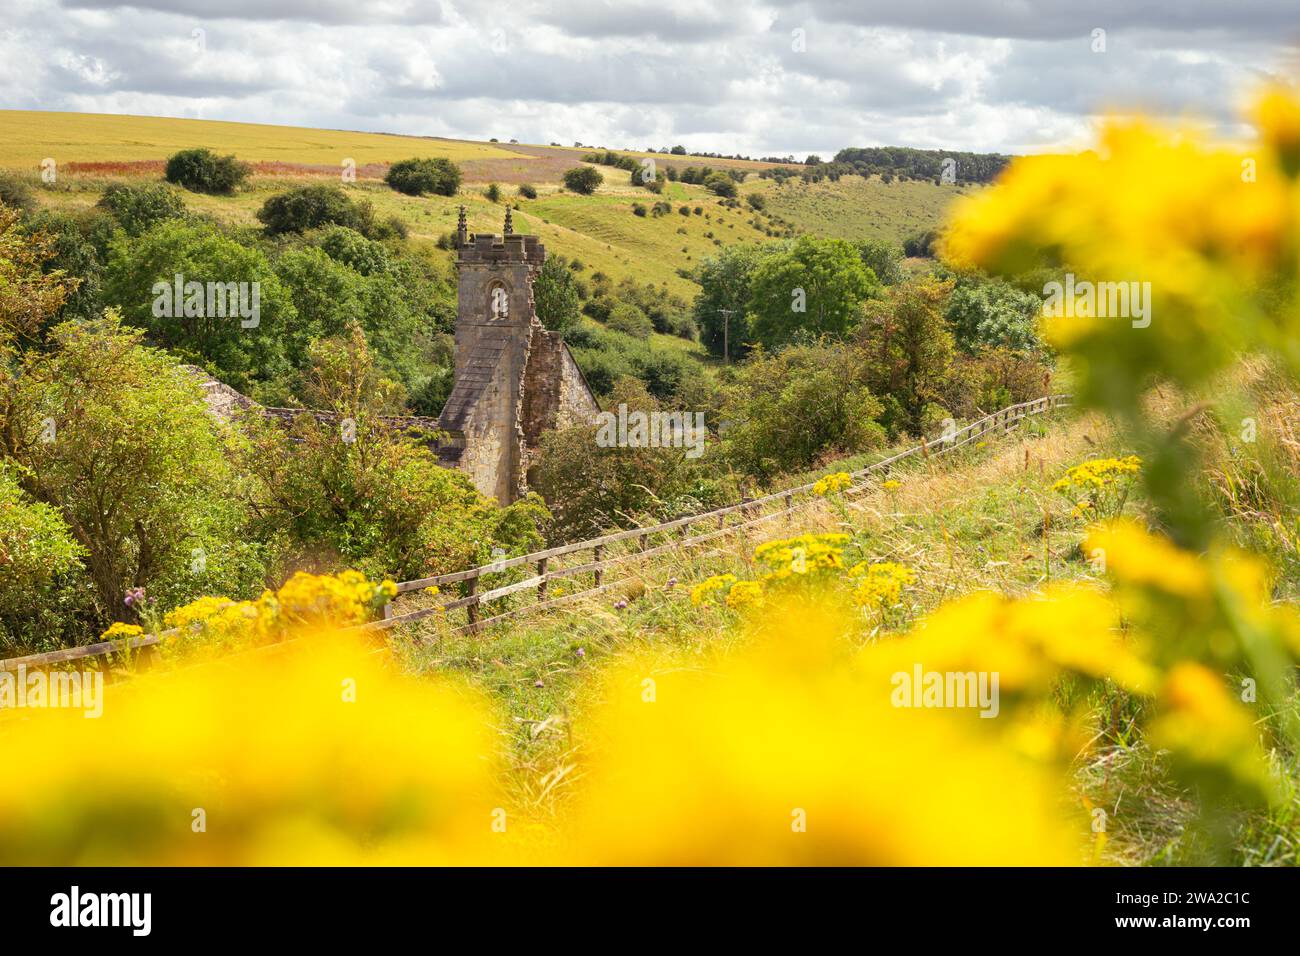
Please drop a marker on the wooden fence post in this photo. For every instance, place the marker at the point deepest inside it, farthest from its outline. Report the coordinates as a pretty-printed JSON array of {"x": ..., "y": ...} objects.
[
  {"x": 471, "y": 609},
  {"x": 598, "y": 553},
  {"x": 541, "y": 585}
]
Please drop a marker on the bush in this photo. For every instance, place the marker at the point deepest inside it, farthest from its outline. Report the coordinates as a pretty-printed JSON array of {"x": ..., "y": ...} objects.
[
  {"x": 139, "y": 270},
  {"x": 720, "y": 184},
  {"x": 555, "y": 295},
  {"x": 136, "y": 207},
  {"x": 77, "y": 245},
  {"x": 583, "y": 180},
  {"x": 203, "y": 171},
  {"x": 138, "y": 468},
  {"x": 349, "y": 247},
  {"x": 527, "y": 191},
  {"x": 630, "y": 320},
  {"x": 311, "y": 207},
  {"x": 821, "y": 388},
  {"x": 493, "y": 193},
  {"x": 16, "y": 193},
  {"x": 921, "y": 245},
  {"x": 416, "y": 177},
  {"x": 756, "y": 201}
]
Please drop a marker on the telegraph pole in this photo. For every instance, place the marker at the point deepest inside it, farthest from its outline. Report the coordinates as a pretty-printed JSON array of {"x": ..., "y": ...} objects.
[{"x": 726, "y": 334}]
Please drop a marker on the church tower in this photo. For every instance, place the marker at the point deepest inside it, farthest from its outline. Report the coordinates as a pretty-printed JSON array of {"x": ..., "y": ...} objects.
[{"x": 513, "y": 379}]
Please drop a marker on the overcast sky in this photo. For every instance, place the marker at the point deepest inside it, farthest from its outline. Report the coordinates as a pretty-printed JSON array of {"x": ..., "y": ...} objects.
[{"x": 752, "y": 76}]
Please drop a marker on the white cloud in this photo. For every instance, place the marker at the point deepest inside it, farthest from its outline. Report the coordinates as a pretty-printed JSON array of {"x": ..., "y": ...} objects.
[{"x": 712, "y": 75}]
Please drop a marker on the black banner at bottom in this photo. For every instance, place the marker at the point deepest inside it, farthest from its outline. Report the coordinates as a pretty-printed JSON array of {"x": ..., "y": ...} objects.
[{"x": 333, "y": 905}]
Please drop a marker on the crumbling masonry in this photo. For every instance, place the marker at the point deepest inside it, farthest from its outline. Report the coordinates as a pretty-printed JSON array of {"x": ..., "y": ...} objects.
[{"x": 514, "y": 380}]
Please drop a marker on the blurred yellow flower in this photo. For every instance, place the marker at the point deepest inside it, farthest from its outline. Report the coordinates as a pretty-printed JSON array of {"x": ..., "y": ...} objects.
[
  {"x": 318, "y": 754},
  {"x": 832, "y": 484}
]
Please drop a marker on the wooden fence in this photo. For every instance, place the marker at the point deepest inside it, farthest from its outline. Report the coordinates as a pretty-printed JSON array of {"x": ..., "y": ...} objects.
[{"x": 597, "y": 556}]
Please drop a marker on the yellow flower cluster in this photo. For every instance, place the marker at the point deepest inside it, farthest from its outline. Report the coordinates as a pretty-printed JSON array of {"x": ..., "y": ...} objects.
[
  {"x": 120, "y": 630},
  {"x": 1098, "y": 473},
  {"x": 305, "y": 599},
  {"x": 929, "y": 786},
  {"x": 802, "y": 555},
  {"x": 891, "y": 485},
  {"x": 711, "y": 586},
  {"x": 1103, "y": 484},
  {"x": 880, "y": 585},
  {"x": 745, "y": 594},
  {"x": 321, "y": 754},
  {"x": 832, "y": 484}
]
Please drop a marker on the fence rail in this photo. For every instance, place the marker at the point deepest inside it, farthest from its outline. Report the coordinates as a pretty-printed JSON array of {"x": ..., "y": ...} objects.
[{"x": 546, "y": 564}]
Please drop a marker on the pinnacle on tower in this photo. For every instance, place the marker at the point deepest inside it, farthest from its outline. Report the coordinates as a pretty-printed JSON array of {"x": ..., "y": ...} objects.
[
  {"x": 462, "y": 231},
  {"x": 510, "y": 224}
]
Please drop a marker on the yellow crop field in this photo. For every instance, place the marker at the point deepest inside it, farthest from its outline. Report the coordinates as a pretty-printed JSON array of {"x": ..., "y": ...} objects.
[{"x": 28, "y": 137}]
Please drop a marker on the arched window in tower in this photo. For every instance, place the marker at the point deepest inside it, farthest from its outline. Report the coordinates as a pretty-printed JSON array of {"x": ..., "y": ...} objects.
[{"x": 498, "y": 300}]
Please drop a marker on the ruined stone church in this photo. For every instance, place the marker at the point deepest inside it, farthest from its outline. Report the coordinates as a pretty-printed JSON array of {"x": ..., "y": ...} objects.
[{"x": 514, "y": 380}]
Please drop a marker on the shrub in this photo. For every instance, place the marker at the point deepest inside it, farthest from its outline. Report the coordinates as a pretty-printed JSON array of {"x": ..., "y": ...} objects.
[
  {"x": 493, "y": 193},
  {"x": 349, "y": 247},
  {"x": 311, "y": 207},
  {"x": 583, "y": 180},
  {"x": 203, "y": 171},
  {"x": 16, "y": 193},
  {"x": 527, "y": 191},
  {"x": 138, "y": 469},
  {"x": 822, "y": 388},
  {"x": 136, "y": 207},
  {"x": 555, "y": 295},
  {"x": 416, "y": 177},
  {"x": 756, "y": 201},
  {"x": 720, "y": 184},
  {"x": 630, "y": 320}
]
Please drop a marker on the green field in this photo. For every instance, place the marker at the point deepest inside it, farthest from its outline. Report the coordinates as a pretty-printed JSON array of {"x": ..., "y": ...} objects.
[{"x": 601, "y": 230}]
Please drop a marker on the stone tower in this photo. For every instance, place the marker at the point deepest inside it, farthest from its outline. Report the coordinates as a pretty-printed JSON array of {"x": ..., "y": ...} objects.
[{"x": 513, "y": 379}]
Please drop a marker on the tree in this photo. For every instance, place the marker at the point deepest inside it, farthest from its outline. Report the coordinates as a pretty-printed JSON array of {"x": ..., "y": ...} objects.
[
  {"x": 29, "y": 298},
  {"x": 310, "y": 207},
  {"x": 583, "y": 179},
  {"x": 136, "y": 207},
  {"x": 416, "y": 177},
  {"x": 74, "y": 242},
  {"x": 117, "y": 437},
  {"x": 908, "y": 350},
  {"x": 720, "y": 309},
  {"x": 203, "y": 171},
  {"x": 555, "y": 295},
  {"x": 720, "y": 184},
  {"x": 993, "y": 314},
  {"x": 882, "y": 258},
  {"x": 141, "y": 277},
  {"x": 786, "y": 411},
  {"x": 15, "y": 193},
  {"x": 37, "y": 551},
  {"x": 594, "y": 488},
  {"x": 816, "y": 285},
  {"x": 354, "y": 489}
]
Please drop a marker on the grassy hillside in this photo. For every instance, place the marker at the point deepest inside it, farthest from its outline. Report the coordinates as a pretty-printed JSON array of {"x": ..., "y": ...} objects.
[{"x": 601, "y": 230}]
